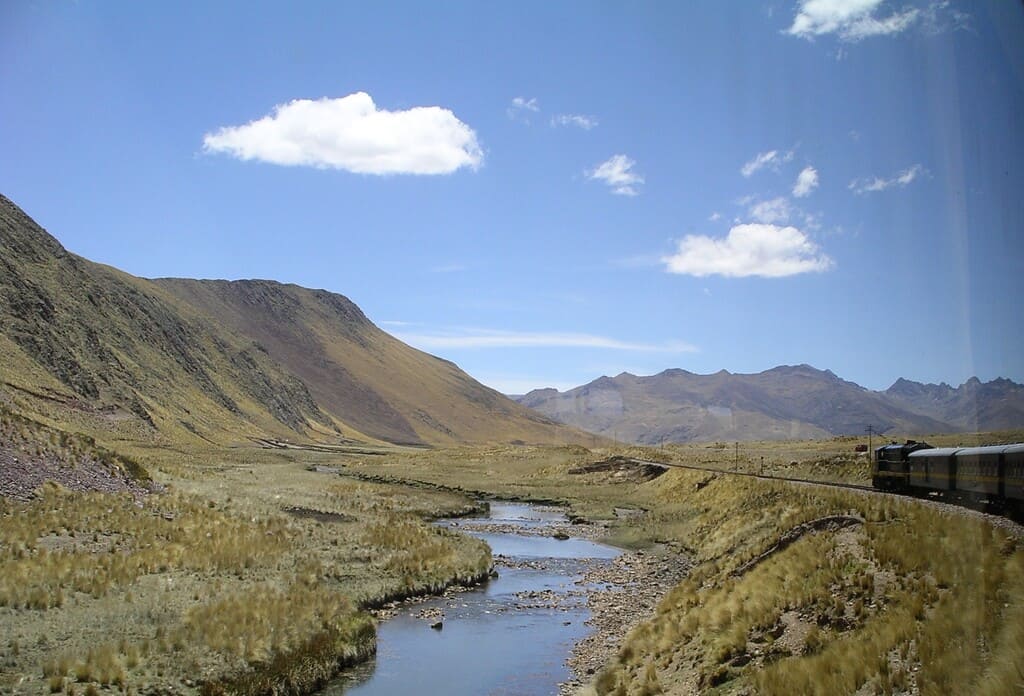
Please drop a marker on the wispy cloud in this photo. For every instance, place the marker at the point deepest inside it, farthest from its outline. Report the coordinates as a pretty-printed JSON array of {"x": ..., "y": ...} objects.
[
  {"x": 578, "y": 120},
  {"x": 874, "y": 184},
  {"x": 492, "y": 338},
  {"x": 777, "y": 211},
  {"x": 806, "y": 182},
  {"x": 941, "y": 16},
  {"x": 850, "y": 20},
  {"x": 617, "y": 172},
  {"x": 763, "y": 250},
  {"x": 771, "y": 159},
  {"x": 715, "y": 216},
  {"x": 352, "y": 134},
  {"x": 524, "y": 104},
  {"x": 521, "y": 108},
  {"x": 771, "y": 211}
]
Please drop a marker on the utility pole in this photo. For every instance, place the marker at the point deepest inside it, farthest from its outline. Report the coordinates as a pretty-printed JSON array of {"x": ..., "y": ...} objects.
[
  {"x": 870, "y": 431},
  {"x": 736, "y": 461}
]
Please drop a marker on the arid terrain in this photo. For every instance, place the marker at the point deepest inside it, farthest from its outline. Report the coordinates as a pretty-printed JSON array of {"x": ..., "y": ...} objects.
[{"x": 211, "y": 488}]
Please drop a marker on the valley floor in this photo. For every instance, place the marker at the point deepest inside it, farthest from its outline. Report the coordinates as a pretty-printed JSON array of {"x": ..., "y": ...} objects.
[{"x": 253, "y": 571}]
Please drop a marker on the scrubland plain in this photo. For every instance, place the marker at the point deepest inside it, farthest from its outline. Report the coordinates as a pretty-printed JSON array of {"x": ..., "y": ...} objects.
[
  {"x": 253, "y": 571},
  {"x": 246, "y": 576}
]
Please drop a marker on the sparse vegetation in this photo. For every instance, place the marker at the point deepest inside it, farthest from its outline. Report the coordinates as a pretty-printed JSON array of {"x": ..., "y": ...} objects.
[
  {"x": 914, "y": 595},
  {"x": 254, "y": 570},
  {"x": 216, "y": 581}
]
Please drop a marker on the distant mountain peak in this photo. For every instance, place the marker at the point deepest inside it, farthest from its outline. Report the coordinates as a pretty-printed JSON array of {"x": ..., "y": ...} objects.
[{"x": 784, "y": 402}]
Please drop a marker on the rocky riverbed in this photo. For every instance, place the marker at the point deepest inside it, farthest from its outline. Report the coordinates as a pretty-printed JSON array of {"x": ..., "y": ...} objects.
[{"x": 620, "y": 595}]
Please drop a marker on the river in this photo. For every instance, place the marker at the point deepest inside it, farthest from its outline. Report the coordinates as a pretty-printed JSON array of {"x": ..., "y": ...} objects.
[{"x": 510, "y": 636}]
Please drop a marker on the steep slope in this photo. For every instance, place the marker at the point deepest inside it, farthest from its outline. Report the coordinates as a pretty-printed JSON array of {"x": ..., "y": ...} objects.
[
  {"x": 112, "y": 343},
  {"x": 678, "y": 406},
  {"x": 366, "y": 377},
  {"x": 973, "y": 406},
  {"x": 224, "y": 361}
]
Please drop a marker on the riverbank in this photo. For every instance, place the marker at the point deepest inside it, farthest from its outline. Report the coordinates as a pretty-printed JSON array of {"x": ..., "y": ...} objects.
[
  {"x": 622, "y": 594},
  {"x": 249, "y": 575}
]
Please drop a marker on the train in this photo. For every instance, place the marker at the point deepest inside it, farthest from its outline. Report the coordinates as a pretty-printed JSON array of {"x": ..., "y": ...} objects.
[{"x": 991, "y": 477}]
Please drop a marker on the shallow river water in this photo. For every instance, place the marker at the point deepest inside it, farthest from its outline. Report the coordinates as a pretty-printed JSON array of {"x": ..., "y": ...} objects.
[{"x": 511, "y": 636}]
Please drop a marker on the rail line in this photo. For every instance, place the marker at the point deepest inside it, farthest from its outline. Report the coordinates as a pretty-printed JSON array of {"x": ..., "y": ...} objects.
[
  {"x": 763, "y": 477},
  {"x": 956, "y": 503}
]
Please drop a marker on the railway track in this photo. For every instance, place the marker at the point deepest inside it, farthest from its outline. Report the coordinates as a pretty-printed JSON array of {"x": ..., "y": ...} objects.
[
  {"x": 958, "y": 506},
  {"x": 764, "y": 477}
]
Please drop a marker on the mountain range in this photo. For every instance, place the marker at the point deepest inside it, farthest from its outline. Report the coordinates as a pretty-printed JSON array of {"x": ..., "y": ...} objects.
[
  {"x": 224, "y": 361},
  {"x": 785, "y": 402},
  {"x": 94, "y": 349}
]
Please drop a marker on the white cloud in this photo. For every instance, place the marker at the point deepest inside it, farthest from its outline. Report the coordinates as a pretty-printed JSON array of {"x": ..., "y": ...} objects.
[
  {"x": 618, "y": 173},
  {"x": 771, "y": 159},
  {"x": 524, "y": 104},
  {"x": 851, "y": 20},
  {"x": 715, "y": 216},
  {"x": 578, "y": 120},
  {"x": 488, "y": 338},
  {"x": 875, "y": 184},
  {"x": 521, "y": 108},
  {"x": 806, "y": 181},
  {"x": 772, "y": 211},
  {"x": 351, "y": 133},
  {"x": 767, "y": 251}
]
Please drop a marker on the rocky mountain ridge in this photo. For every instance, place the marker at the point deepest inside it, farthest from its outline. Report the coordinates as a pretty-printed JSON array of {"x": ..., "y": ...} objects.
[{"x": 785, "y": 402}]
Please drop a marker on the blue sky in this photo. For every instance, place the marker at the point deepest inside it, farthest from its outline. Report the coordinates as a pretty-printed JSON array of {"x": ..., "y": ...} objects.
[{"x": 548, "y": 192}]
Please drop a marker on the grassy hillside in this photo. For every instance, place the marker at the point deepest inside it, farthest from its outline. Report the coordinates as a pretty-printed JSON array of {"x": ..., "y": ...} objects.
[
  {"x": 370, "y": 379},
  {"x": 114, "y": 344},
  {"x": 196, "y": 363}
]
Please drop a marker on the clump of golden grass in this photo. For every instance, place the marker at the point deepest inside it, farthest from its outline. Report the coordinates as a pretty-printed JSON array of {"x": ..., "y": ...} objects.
[
  {"x": 104, "y": 664},
  {"x": 108, "y": 541},
  {"x": 265, "y": 621},
  {"x": 308, "y": 665},
  {"x": 424, "y": 556}
]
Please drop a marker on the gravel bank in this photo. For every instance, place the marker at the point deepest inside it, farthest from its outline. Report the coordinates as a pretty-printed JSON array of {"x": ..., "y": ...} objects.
[{"x": 629, "y": 588}]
